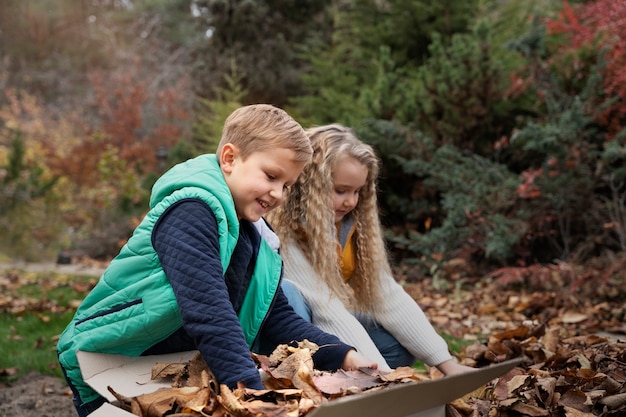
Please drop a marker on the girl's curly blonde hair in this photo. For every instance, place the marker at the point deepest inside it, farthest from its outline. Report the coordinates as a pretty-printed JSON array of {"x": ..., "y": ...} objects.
[{"x": 307, "y": 218}]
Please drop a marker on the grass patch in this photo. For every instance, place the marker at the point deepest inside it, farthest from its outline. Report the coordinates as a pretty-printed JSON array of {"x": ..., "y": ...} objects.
[
  {"x": 29, "y": 344},
  {"x": 455, "y": 344},
  {"x": 34, "y": 310}
]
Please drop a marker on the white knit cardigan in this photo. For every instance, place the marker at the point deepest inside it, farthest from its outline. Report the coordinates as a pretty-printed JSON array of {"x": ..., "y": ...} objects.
[{"x": 399, "y": 314}]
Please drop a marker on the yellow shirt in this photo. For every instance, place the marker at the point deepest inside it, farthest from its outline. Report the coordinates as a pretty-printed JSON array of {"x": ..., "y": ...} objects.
[{"x": 346, "y": 256}]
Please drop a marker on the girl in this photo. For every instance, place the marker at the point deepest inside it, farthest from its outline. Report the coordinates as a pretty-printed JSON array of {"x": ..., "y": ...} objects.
[{"x": 337, "y": 274}]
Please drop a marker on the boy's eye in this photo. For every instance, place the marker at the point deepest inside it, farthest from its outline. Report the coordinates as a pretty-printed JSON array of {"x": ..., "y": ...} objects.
[{"x": 271, "y": 177}]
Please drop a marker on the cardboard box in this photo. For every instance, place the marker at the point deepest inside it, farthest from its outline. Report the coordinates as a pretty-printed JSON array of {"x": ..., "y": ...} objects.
[{"x": 130, "y": 376}]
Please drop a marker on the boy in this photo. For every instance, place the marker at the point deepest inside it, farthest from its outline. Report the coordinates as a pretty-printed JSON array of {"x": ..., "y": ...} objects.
[{"x": 196, "y": 274}]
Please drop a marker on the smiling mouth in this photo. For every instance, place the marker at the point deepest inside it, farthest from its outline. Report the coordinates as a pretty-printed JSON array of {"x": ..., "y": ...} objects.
[{"x": 264, "y": 204}]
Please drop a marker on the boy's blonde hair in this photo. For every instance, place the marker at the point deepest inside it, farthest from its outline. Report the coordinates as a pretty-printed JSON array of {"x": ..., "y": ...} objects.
[
  {"x": 263, "y": 127},
  {"x": 307, "y": 217}
]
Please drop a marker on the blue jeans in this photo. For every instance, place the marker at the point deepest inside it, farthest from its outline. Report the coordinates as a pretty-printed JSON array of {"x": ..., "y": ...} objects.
[
  {"x": 394, "y": 353},
  {"x": 296, "y": 301}
]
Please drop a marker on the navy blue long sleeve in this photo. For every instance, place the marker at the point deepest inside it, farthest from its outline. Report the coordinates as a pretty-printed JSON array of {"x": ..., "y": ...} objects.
[{"x": 186, "y": 242}]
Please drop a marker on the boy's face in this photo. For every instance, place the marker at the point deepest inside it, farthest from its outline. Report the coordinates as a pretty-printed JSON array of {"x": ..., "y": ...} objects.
[{"x": 258, "y": 183}]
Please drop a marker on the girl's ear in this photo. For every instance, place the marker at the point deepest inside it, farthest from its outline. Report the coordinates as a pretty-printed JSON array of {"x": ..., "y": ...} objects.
[{"x": 227, "y": 156}]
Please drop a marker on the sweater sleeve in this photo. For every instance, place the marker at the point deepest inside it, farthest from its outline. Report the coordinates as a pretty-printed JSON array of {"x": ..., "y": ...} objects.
[
  {"x": 328, "y": 311},
  {"x": 185, "y": 239},
  {"x": 401, "y": 316}
]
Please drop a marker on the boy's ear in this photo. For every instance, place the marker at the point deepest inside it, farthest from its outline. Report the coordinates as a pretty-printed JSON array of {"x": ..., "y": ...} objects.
[{"x": 227, "y": 156}]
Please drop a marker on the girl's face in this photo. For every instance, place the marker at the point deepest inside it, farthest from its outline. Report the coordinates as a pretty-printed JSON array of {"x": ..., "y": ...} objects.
[{"x": 348, "y": 178}]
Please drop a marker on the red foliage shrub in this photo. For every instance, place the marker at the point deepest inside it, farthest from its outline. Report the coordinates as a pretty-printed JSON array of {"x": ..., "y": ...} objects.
[
  {"x": 601, "y": 23},
  {"x": 128, "y": 117}
]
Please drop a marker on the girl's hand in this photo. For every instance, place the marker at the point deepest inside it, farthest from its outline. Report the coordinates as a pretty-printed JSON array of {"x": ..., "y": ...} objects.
[
  {"x": 450, "y": 367},
  {"x": 354, "y": 360}
]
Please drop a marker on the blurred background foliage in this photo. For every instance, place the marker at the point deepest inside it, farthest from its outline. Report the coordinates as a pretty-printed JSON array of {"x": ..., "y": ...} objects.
[{"x": 500, "y": 124}]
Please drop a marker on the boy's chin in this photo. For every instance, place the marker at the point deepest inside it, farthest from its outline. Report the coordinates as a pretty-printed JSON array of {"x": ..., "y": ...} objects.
[{"x": 253, "y": 218}]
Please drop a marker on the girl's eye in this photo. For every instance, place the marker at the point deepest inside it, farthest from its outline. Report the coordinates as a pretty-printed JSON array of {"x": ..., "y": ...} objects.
[{"x": 271, "y": 177}]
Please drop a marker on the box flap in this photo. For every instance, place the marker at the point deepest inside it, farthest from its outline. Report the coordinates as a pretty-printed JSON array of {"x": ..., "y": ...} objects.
[
  {"x": 413, "y": 398},
  {"x": 129, "y": 376},
  {"x": 109, "y": 410}
]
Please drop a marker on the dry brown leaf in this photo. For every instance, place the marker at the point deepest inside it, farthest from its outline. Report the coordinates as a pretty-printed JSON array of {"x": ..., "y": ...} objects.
[
  {"x": 572, "y": 412},
  {"x": 529, "y": 409},
  {"x": 610, "y": 385},
  {"x": 547, "y": 385},
  {"x": 575, "y": 398},
  {"x": 290, "y": 365},
  {"x": 402, "y": 374},
  {"x": 573, "y": 317},
  {"x": 586, "y": 340},
  {"x": 200, "y": 375},
  {"x": 232, "y": 403},
  {"x": 501, "y": 390},
  {"x": 338, "y": 383},
  {"x": 198, "y": 403},
  {"x": 614, "y": 402},
  {"x": 551, "y": 340},
  {"x": 520, "y": 332},
  {"x": 454, "y": 411},
  {"x": 9, "y": 371},
  {"x": 268, "y": 409},
  {"x": 162, "y": 370},
  {"x": 305, "y": 405},
  {"x": 517, "y": 382},
  {"x": 162, "y": 402}
]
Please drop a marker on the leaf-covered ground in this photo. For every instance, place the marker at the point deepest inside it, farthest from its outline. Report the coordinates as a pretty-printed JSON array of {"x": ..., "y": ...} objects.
[{"x": 566, "y": 321}]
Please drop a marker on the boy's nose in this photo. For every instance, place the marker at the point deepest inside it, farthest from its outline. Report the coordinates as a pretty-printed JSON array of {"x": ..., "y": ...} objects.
[{"x": 277, "y": 193}]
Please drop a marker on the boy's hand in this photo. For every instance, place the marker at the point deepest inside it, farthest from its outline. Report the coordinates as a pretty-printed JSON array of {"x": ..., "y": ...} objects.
[{"x": 354, "y": 360}]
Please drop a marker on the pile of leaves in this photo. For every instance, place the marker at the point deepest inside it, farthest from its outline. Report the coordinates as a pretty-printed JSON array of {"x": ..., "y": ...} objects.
[
  {"x": 579, "y": 376},
  {"x": 566, "y": 321},
  {"x": 294, "y": 387}
]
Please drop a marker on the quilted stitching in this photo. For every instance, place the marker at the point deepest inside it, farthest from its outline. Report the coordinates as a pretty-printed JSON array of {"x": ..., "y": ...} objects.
[{"x": 187, "y": 244}]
